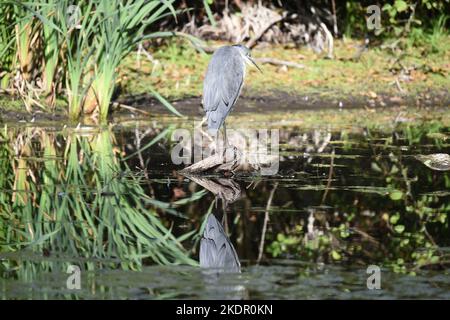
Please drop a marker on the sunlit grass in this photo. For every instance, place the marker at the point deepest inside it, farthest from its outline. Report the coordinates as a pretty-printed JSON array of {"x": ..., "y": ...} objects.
[{"x": 179, "y": 71}]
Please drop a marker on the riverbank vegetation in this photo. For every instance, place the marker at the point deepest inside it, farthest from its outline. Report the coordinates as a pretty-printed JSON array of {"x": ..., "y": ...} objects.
[{"x": 87, "y": 55}]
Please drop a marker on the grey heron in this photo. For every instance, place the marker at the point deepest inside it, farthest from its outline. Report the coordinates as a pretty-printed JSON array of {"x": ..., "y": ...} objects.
[{"x": 223, "y": 83}]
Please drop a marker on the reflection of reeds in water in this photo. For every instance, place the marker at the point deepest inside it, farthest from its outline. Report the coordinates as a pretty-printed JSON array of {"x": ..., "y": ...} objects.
[{"x": 79, "y": 201}]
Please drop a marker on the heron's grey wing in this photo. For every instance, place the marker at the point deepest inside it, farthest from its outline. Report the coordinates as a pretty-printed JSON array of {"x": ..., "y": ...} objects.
[
  {"x": 208, "y": 246},
  {"x": 233, "y": 78},
  {"x": 222, "y": 85},
  {"x": 211, "y": 84},
  {"x": 213, "y": 79},
  {"x": 227, "y": 258}
]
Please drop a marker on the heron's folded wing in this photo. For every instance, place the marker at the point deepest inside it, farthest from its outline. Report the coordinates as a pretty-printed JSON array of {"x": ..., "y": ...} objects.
[
  {"x": 233, "y": 78},
  {"x": 211, "y": 94},
  {"x": 227, "y": 258},
  {"x": 212, "y": 83},
  {"x": 223, "y": 80}
]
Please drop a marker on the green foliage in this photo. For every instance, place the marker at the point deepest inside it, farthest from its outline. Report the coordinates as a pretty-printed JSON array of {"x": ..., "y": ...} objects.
[
  {"x": 86, "y": 42},
  {"x": 354, "y": 23},
  {"x": 7, "y": 48},
  {"x": 400, "y": 18},
  {"x": 433, "y": 40},
  {"x": 207, "y": 4},
  {"x": 283, "y": 244}
]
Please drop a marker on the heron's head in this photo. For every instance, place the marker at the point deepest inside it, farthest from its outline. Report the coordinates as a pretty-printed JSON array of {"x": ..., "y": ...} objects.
[{"x": 246, "y": 55}]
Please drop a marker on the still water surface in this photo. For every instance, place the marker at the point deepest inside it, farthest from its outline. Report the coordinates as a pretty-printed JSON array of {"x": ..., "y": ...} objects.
[{"x": 344, "y": 198}]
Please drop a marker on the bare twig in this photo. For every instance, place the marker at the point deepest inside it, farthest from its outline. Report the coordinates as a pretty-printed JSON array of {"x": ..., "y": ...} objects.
[
  {"x": 124, "y": 106},
  {"x": 399, "y": 87},
  {"x": 277, "y": 62},
  {"x": 429, "y": 236},
  {"x": 199, "y": 127},
  {"x": 330, "y": 176},
  {"x": 330, "y": 42},
  {"x": 366, "y": 236},
  {"x": 141, "y": 50},
  {"x": 8, "y": 91},
  {"x": 333, "y": 8},
  {"x": 139, "y": 138}
]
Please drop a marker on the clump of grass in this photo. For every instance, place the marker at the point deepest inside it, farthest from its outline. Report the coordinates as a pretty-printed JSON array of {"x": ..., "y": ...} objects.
[
  {"x": 105, "y": 36},
  {"x": 434, "y": 40},
  {"x": 74, "y": 49}
]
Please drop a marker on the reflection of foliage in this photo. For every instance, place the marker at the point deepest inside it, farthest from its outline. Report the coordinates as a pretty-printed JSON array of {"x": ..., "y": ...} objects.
[
  {"x": 404, "y": 229},
  {"x": 89, "y": 205}
]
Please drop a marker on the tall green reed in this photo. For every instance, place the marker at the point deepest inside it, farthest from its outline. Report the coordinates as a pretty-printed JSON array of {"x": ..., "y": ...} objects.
[
  {"x": 98, "y": 38},
  {"x": 86, "y": 41},
  {"x": 52, "y": 42},
  {"x": 121, "y": 26},
  {"x": 7, "y": 47}
]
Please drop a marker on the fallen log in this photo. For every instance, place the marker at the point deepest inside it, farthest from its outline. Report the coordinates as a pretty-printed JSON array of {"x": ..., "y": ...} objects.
[
  {"x": 231, "y": 160},
  {"x": 226, "y": 161}
]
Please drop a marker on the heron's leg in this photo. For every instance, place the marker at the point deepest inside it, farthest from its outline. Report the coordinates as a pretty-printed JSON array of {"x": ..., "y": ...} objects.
[
  {"x": 237, "y": 152},
  {"x": 218, "y": 146},
  {"x": 225, "y": 135}
]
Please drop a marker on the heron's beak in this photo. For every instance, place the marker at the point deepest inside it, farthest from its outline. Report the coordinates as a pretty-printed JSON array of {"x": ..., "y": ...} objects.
[{"x": 254, "y": 63}]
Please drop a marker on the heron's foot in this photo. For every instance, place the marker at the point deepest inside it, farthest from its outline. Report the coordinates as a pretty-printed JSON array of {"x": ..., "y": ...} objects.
[
  {"x": 232, "y": 153},
  {"x": 237, "y": 152},
  {"x": 221, "y": 147}
]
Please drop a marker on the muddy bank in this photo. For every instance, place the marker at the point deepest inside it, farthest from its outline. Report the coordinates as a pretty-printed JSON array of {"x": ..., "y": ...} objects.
[
  {"x": 145, "y": 105},
  {"x": 283, "y": 101}
]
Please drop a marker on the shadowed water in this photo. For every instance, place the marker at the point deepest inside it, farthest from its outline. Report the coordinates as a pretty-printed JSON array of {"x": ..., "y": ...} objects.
[{"x": 110, "y": 201}]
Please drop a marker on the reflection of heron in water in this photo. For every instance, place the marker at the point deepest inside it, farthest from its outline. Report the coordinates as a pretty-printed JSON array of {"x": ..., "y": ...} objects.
[
  {"x": 216, "y": 249},
  {"x": 219, "y": 262},
  {"x": 217, "y": 254}
]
